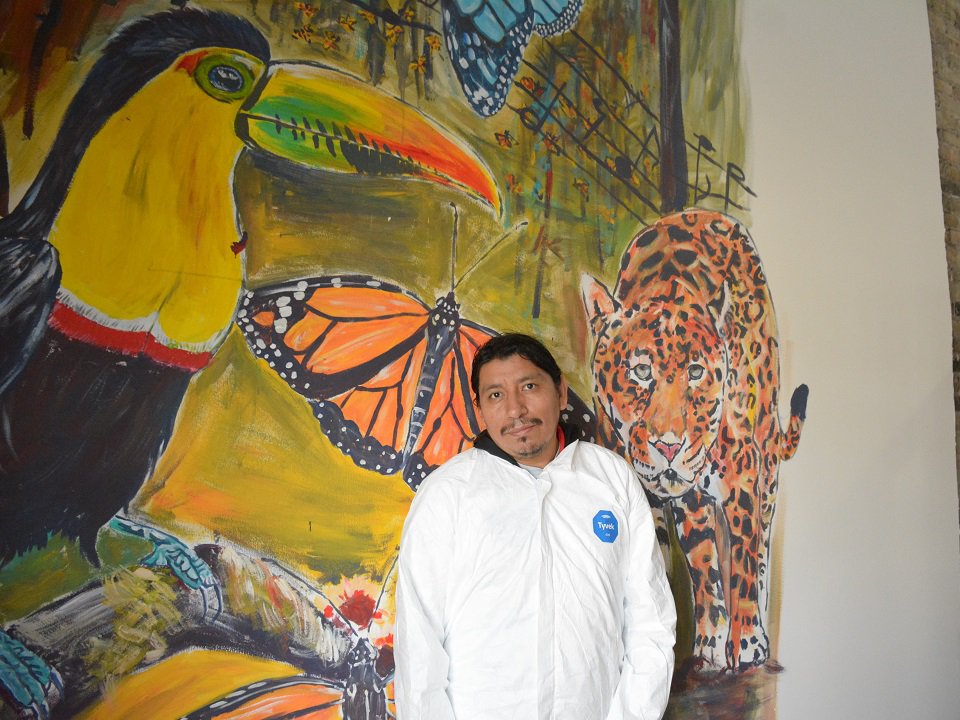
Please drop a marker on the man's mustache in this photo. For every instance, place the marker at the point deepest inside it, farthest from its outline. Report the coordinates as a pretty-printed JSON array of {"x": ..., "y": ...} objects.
[{"x": 519, "y": 424}]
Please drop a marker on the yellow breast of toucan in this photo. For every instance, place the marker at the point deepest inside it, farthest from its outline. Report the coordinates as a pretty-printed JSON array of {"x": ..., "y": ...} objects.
[{"x": 146, "y": 231}]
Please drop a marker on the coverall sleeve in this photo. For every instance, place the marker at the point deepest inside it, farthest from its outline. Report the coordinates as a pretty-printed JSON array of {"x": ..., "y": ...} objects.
[
  {"x": 426, "y": 549},
  {"x": 650, "y": 620}
]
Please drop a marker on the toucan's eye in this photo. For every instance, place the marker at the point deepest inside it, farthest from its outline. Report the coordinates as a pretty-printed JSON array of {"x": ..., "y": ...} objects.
[{"x": 225, "y": 76}]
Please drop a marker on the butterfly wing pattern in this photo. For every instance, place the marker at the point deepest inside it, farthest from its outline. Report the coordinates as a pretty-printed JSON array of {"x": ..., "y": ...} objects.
[
  {"x": 298, "y": 696},
  {"x": 486, "y": 40},
  {"x": 387, "y": 377},
  {"x": 360, "y": 696}
]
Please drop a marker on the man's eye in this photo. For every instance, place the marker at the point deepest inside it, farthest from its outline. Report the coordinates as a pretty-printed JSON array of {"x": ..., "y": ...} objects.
[
  {"x": 530, "y": 386},
  {"x": 494, "y": 396},
  {"x": 641, "y": 372},
  {"x": 695, "y": 371}
]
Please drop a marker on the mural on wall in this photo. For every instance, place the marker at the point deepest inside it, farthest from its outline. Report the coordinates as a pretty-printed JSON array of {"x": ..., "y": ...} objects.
[{"x": 222, "y": 376}]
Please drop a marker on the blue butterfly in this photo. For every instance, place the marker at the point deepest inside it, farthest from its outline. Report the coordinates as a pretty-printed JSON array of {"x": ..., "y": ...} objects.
[{"x": 486, "y": 40}]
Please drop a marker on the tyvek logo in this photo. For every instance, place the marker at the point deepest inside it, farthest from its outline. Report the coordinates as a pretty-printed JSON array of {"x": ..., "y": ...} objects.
[{"x": 605, "y": 526}]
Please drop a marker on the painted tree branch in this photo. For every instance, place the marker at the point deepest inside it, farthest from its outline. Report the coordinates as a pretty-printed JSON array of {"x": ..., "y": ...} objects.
[
  {"x": 673, "y": 155},
  {"x": 268, "y": 613}
]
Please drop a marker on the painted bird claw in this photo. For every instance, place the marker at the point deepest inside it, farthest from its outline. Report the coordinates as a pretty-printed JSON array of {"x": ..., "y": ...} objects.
[
  {"x": 27, "y": 684},
  {"x": 170, "y": 552}
]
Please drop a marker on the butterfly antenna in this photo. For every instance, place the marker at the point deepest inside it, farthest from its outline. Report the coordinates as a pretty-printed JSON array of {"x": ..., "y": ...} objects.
[
  {"x": 516, "y": 228},
  {"x": 453, "y": 252},
  {"x": 307, "y": 589},
  {"x": 383, "y": 591}
]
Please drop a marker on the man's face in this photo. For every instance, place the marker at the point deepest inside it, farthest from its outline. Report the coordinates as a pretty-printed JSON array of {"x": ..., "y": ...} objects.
[{"x": 520, "y": 405}]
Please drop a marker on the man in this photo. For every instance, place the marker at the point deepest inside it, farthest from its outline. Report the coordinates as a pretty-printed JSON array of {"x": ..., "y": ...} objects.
[{"x": 530, "y": 581}]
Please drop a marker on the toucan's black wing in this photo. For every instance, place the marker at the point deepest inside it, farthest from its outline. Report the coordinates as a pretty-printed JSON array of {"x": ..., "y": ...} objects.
[{"x": 29, "y": 278}]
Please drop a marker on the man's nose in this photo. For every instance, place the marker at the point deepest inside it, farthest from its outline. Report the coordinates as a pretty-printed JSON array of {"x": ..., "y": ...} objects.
[{"x": 516, "y": 407}]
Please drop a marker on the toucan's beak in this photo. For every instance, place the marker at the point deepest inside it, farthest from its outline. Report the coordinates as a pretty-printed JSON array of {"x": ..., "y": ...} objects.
[{"x": 326, "y": 119}]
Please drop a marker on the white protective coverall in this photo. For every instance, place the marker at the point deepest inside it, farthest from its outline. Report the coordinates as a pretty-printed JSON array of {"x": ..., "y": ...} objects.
[{"x": 522, "y": 598}]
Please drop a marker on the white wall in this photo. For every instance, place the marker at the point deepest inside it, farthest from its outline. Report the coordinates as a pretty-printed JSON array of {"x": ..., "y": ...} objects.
[{"x": 849, "y": 224}]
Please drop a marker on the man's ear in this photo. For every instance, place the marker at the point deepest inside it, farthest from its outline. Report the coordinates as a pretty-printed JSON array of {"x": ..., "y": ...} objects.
[
  {"x": 598, "y": 304},
  {"x": 562, "y": 390}
]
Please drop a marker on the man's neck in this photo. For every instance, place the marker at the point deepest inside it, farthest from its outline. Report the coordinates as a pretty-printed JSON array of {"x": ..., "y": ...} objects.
[{"x": 565, "y": 435}]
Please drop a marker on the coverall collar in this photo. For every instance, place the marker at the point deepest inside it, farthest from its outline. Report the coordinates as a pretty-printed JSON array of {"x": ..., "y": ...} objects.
[{"x": 484, "y": 442}]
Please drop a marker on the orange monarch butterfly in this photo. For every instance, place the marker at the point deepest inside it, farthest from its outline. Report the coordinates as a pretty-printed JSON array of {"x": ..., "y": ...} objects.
[{"x": 386, "y": 376}]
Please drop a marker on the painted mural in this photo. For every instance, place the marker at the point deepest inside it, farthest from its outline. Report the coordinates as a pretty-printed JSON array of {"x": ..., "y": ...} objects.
[{"x": 249, "y": 250}]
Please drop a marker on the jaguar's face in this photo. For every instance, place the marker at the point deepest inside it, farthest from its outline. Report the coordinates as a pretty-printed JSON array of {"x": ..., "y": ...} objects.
[{"x": 659, "y": 372}]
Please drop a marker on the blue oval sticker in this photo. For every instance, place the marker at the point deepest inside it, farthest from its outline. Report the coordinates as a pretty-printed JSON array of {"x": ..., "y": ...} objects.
[{"x": 605, "y": 526}]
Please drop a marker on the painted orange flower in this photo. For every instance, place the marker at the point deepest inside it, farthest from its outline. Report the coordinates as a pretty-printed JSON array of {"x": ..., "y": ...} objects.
[
  {"x": 534, "y": 87},
  {"x": 513, "y": 184},
  {"x": 552, "y": 142},
  {"x": 330, "y": 41},
  {"x": 394, "y": 32},
  {"x": 419, "y": 65},
  {"x": 622, "y": 62}
]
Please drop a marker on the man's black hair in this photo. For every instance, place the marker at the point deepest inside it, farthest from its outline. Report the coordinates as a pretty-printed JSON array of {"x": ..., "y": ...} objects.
[{"x": 502, "y": 347}]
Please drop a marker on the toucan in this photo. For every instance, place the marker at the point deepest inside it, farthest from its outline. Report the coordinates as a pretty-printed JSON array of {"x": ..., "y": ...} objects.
[{"x": 123, "y": 264}]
